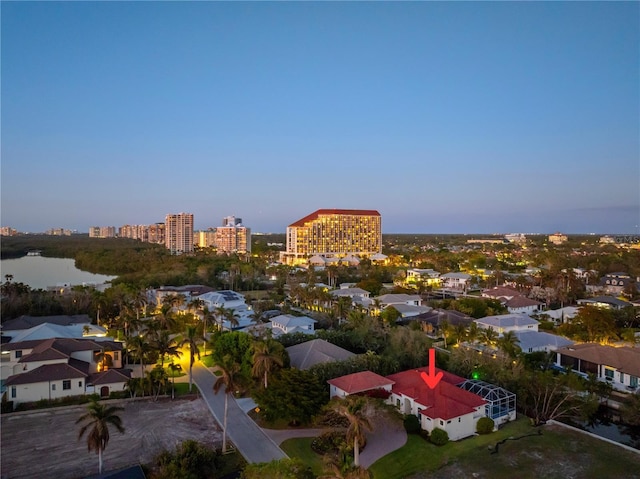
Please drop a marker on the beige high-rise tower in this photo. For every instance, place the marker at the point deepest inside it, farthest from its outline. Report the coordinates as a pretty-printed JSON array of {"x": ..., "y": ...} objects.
[{"x": 179, "y": 233}]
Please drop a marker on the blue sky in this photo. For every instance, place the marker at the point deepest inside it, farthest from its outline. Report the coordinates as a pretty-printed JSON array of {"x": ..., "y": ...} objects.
[{"x": 473, "y": 117}]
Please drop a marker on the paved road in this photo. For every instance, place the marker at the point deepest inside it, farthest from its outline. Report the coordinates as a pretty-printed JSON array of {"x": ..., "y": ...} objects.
[{"x": 250, "y": 440}]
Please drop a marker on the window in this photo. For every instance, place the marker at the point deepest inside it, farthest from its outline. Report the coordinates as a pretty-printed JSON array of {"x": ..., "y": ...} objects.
[
  {"x": 53, "y": 387},
  {"x": 116, "y": 355},
  {"x": 13, "y": 392},
  {"x": 622, "y": 378},
  {"x": 441, "y": 422},
  {"x": 66, "y": 384},
  {"x": 79, "y": 384},
  {"x": 633, "y": 381},
  {"x": 608, "y": 374},
  {"x": 18, "y": 354}
]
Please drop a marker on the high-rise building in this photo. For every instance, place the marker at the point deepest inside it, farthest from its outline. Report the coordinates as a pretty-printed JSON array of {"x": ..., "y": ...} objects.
[
  {"x": 139, "y": 232},
  {"x": 334, "y": 233},
  {"x": 179, "y": 233},
  {"x": 205, "y": 239},
  {"x": 102, "y": 232},
  {"x": 233, "y": 237},
  {"x": 156, "y": 233}
]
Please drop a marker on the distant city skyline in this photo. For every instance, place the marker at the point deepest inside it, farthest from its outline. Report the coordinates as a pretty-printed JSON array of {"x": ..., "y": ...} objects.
[{"x": 446, "y": 117}]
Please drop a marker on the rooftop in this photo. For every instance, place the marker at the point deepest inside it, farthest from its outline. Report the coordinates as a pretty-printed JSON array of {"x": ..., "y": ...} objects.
[{"x": 316, "y": 214}]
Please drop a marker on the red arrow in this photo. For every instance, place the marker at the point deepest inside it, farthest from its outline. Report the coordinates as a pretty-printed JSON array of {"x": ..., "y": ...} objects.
[{"x": 432, "y": 379}]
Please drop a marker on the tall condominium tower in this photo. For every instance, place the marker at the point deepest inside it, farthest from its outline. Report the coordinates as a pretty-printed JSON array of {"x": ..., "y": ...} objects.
[
  {"x": 334, "y": 233},
  {"x": 179, "y": 233},
  {"x": 233, "y": 237}
]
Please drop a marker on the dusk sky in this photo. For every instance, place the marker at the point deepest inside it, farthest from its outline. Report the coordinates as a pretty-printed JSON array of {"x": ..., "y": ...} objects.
[{"x": 474, "y": 117}]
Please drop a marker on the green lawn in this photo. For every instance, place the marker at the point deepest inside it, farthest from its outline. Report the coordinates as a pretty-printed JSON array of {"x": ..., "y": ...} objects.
[
  {"x": 301, "y": 448},
  {"x": 556, "y": 452},
  {"x": 419, "y": 455}
]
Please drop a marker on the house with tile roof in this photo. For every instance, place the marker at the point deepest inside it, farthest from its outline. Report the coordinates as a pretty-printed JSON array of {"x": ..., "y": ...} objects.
[
  {"x": 446, "y": 406},
  {"x": 513, "y": 300},
  {"x": 60, "y": 367},
  {"x": 358, "y": 383},
  {"x": 317, "y": 351},
  {"x": 619, "y": 367}
]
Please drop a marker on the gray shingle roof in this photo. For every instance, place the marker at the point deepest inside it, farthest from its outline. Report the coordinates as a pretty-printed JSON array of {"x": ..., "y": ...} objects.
[{"x": 316, "y": 351}]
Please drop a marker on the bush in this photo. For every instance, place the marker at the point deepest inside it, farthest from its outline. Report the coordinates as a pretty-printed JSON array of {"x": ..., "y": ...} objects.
[
  {"x": 328, "y": 442},
  {"x": 485, "y": 425},
  {"x": 439, "y": 437},
  {"x": 412, "y": 424},
  {"x": 190, "y": 460}
]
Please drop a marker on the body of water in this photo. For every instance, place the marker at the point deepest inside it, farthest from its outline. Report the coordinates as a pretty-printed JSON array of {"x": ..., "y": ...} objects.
[{"x": 39, "y": 272}]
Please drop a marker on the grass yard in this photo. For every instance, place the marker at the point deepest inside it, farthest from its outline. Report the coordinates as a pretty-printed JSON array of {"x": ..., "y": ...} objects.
[
  {"x": 556, "y": 452},
  {"x": 301, "y": 448}
]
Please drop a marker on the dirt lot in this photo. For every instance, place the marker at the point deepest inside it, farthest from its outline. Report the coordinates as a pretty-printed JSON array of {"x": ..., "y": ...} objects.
[{"x": 45, "y": 443}]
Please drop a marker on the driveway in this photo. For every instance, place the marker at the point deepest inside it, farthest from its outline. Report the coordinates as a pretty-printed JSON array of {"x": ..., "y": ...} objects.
[
  {"x": 388, "y": 435},
  {"x": 244, "y": 433}
]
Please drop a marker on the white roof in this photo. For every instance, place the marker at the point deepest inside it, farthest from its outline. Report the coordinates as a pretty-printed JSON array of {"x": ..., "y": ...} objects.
[
  {"x": 289, "y": 321},
  {"x": 507, "y": 320},
  {"x": 49, "y": 330},
  {"x": 349, "y": 292},
  {"x": 456, "y": 275},
  {"x": 536, "y": 340},
  {"x": 398, "y": 298}
]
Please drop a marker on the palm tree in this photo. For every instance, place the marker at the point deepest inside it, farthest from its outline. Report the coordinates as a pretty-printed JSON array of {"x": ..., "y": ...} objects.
[
  {"x": 231, "y": 316},
  {"x": 220, "y": 313},
  {"x": 489, "y": 336},
  {"x": 473, "y": 332},
  {"x": 266, "y": 356},
  {"x": 445, "y": 330},
  {"x": 509, "y": 344},
  {"x": 229, "y": 380},
  {"x": 460, "y": 332},
  {"x": 354, "y": 410},
  {"x": 165, "y": 345},
  {"x": 335, "y": 467},
  {"x": 138, "y": 347},
  {"x": 191, "y": 339},
  {"x": 97, "y": 420}
]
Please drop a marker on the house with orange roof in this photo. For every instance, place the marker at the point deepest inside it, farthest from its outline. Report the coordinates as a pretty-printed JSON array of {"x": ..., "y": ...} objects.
[
  {"x": 454, "y": 405},
  {"x": 446, "y": 406}
]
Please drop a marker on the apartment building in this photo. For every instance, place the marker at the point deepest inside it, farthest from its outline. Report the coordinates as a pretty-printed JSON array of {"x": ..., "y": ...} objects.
[
  {"x": 179, "y": 233},
  {"x": 334, "y": 233},
  {"x": 138, "y": 232},
  {"x": 102, "y": 232},
  {"x": 205, "y": 239},
  {"x": 156, "y": 233},
  {"x": 233, "y": 237}
]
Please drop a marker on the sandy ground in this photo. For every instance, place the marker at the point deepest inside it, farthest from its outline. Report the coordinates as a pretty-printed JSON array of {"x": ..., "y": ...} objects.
[{"x": 45, "y": 443}]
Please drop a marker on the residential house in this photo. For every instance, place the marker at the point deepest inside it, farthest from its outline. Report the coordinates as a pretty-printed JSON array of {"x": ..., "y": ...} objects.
[
  {"x": 432, "y": 320},
  {"x": 228, "y": 299},
  {"x": 407, "y": 305},
  {"x": 289, "y": 324},
  {"x": 503, "y": 323},
  {"x": 454, "y": 405},
  {"x": 534, "y": 341},
  {"x": 620, "y": 367},
  {"x": 446, "y": 406},
  {"x": 426, "y": 277},
  {"x": 317, "y": 351},
  {"x": 358, "y": 383},
  {"x": 612, "y": 284},
  {"x": 458, "y": 281},
  {"x": 61, "y": 367},
  {"x": 607, "y": 302},
  {"x": 512, "y": 299}
]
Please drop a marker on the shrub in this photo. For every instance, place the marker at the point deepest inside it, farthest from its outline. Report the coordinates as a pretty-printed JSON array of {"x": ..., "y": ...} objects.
[
  {"x": 485, "y": 425},
  {"x": 412, "y": 424},
  {"x": 328, "y": 442},
  {"x": 439, "y": 437}
]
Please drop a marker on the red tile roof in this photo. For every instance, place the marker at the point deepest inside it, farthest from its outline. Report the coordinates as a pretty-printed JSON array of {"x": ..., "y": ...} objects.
[
  {"x": 48, "y": 372},
  {"x": 316, "y": 214},
  {"x": 445, "y": 401},
  {"x": 109, "y": 376},
  {"x": 360, "y": 382}
]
